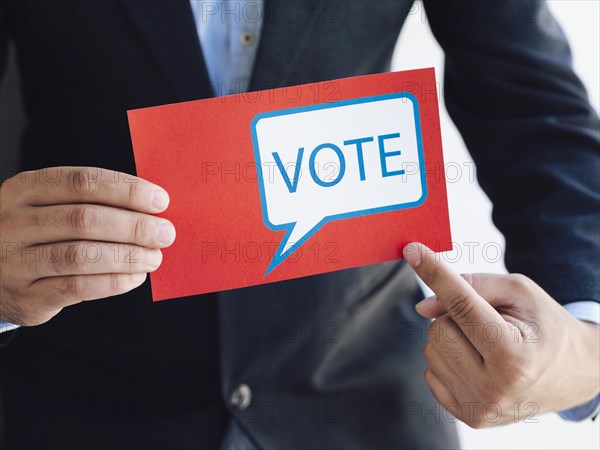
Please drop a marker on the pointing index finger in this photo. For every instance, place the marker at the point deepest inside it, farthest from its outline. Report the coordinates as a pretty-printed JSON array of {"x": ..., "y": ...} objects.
[{"x": 466, "y": 308}]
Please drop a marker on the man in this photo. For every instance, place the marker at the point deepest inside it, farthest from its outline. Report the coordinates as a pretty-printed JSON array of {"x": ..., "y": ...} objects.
[{"x": 223, "y": 369}]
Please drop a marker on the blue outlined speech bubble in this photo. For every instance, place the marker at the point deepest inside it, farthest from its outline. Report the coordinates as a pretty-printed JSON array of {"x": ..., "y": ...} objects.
[{"x": 335, "y": 161}]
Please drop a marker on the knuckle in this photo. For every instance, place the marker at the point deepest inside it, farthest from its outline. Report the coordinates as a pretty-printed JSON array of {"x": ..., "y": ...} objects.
[
  {"x": 8, "y": 188},
  {"x": 435, "y": 373},
  {"x": 83, "y": 219},
  {"x": 431, "y": 275},
  {"x": 459, "y": 306},
  {"x": 83, "y": 182},
  {"x": 139, "y": 230},
  {"x": 472, "y": 279},
  {"x": 127, "y": 257},
  {"x": 15, "y": 184},
  {"x": 75, "y": 286},
  {"x": 520, "y": 283},
  {"x": 73, "y": 257},
  {"x": 114, "y": 283},
  {"x": 134, "y": 256},
  {"x": 36, "y": 267},
  {"x": 10, "y": 191},
  {"x": 132, "y": 192}
]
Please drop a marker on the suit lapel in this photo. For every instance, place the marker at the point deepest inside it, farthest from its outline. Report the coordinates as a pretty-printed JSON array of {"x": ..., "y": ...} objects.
[
  {"x": 287, "y": 25},
  {"x": 169, "y": 31}
]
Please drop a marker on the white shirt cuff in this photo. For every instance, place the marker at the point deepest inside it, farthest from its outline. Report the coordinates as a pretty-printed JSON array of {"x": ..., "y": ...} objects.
[
  {"x": 7, "y": 326},
  {"x": 590, "y": 312}
]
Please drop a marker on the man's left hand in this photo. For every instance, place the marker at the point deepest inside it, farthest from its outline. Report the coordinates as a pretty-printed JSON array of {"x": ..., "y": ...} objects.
[{"x": 501, "y": 350}]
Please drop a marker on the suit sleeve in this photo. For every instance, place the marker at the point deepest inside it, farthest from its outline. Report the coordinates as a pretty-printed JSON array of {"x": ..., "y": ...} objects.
[
  {"x": 4, "y": 326},
  {"x": 3, "y": 37},
  {"x": 510, "y": 88}
]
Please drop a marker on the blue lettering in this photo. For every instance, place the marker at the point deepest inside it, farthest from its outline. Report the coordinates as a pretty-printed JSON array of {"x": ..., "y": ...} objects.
[
  {"x": 292, "y": 185},
  {"x": 383, "y": 155},
  {"x": 359, "y": 154},
  {"x": 311, "y": 165}
]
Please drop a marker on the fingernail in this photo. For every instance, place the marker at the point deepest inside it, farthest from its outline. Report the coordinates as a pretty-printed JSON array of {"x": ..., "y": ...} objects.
[
  {"x": 412, "y": 254},
  {"x": 426, "y": 303},
  {"x": 166, "y": 234},
  {"x": 160, "y": 200},
  {"x": 138, "y": 277},
  {"x": 153, "y": 259}
]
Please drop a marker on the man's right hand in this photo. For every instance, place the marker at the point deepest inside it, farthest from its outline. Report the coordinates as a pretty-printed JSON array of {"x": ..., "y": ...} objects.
[{"x": 70, "y": 234}]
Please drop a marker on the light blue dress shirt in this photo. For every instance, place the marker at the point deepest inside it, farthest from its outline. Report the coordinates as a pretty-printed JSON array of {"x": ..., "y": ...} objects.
[{"x": 229, "y": 33}]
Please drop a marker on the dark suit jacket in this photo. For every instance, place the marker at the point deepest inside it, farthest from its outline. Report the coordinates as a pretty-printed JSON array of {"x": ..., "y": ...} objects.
[{"x": 126, "y": 373}]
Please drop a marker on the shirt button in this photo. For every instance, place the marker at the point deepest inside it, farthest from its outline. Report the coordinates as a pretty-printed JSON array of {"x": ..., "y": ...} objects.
[
  {"x": 247, "y": 38},
  {"x": 241, "y": 397}
]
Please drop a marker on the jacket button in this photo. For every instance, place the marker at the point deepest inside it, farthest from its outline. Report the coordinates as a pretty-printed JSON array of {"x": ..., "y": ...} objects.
[
  {"x": 247, "y": 38},
  {"x": 241, "y": 397}
]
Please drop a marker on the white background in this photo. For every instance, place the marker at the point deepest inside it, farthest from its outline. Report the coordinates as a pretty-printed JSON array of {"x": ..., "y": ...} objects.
[{"x": 470, "y": 210}]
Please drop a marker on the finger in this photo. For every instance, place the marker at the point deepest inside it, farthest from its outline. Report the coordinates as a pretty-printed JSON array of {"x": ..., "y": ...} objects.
[
  {"x": 88, "y": 257},
  {"x": 470, "y": 312},
  {"x": 498, "y": 290},
  {"x": 515, "y": 296},
  {"x": 444, "y": 373},
  {"x": 69, "y": 290},
  {"x": 64, "y": 185},
  {"x": 512, "y": 295},
  {"x": 442, "y": 394},
  {"x": 447, "y": 343},
  {"x": 59, "y": 223},
  {"x": 430, "y": 307},
  {"x": 508, "y": 290}
]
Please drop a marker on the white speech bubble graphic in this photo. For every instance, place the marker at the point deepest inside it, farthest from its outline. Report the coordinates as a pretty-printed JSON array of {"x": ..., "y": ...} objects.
[{"x": 334, "y": 161}]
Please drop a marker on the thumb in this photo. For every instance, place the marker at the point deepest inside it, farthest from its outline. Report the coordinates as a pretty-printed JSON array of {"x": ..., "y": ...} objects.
[{"x": 430, "y": 307}]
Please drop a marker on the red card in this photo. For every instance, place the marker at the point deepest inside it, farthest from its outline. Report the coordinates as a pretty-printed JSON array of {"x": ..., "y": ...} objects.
[{"x": 286, "y": 183}]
